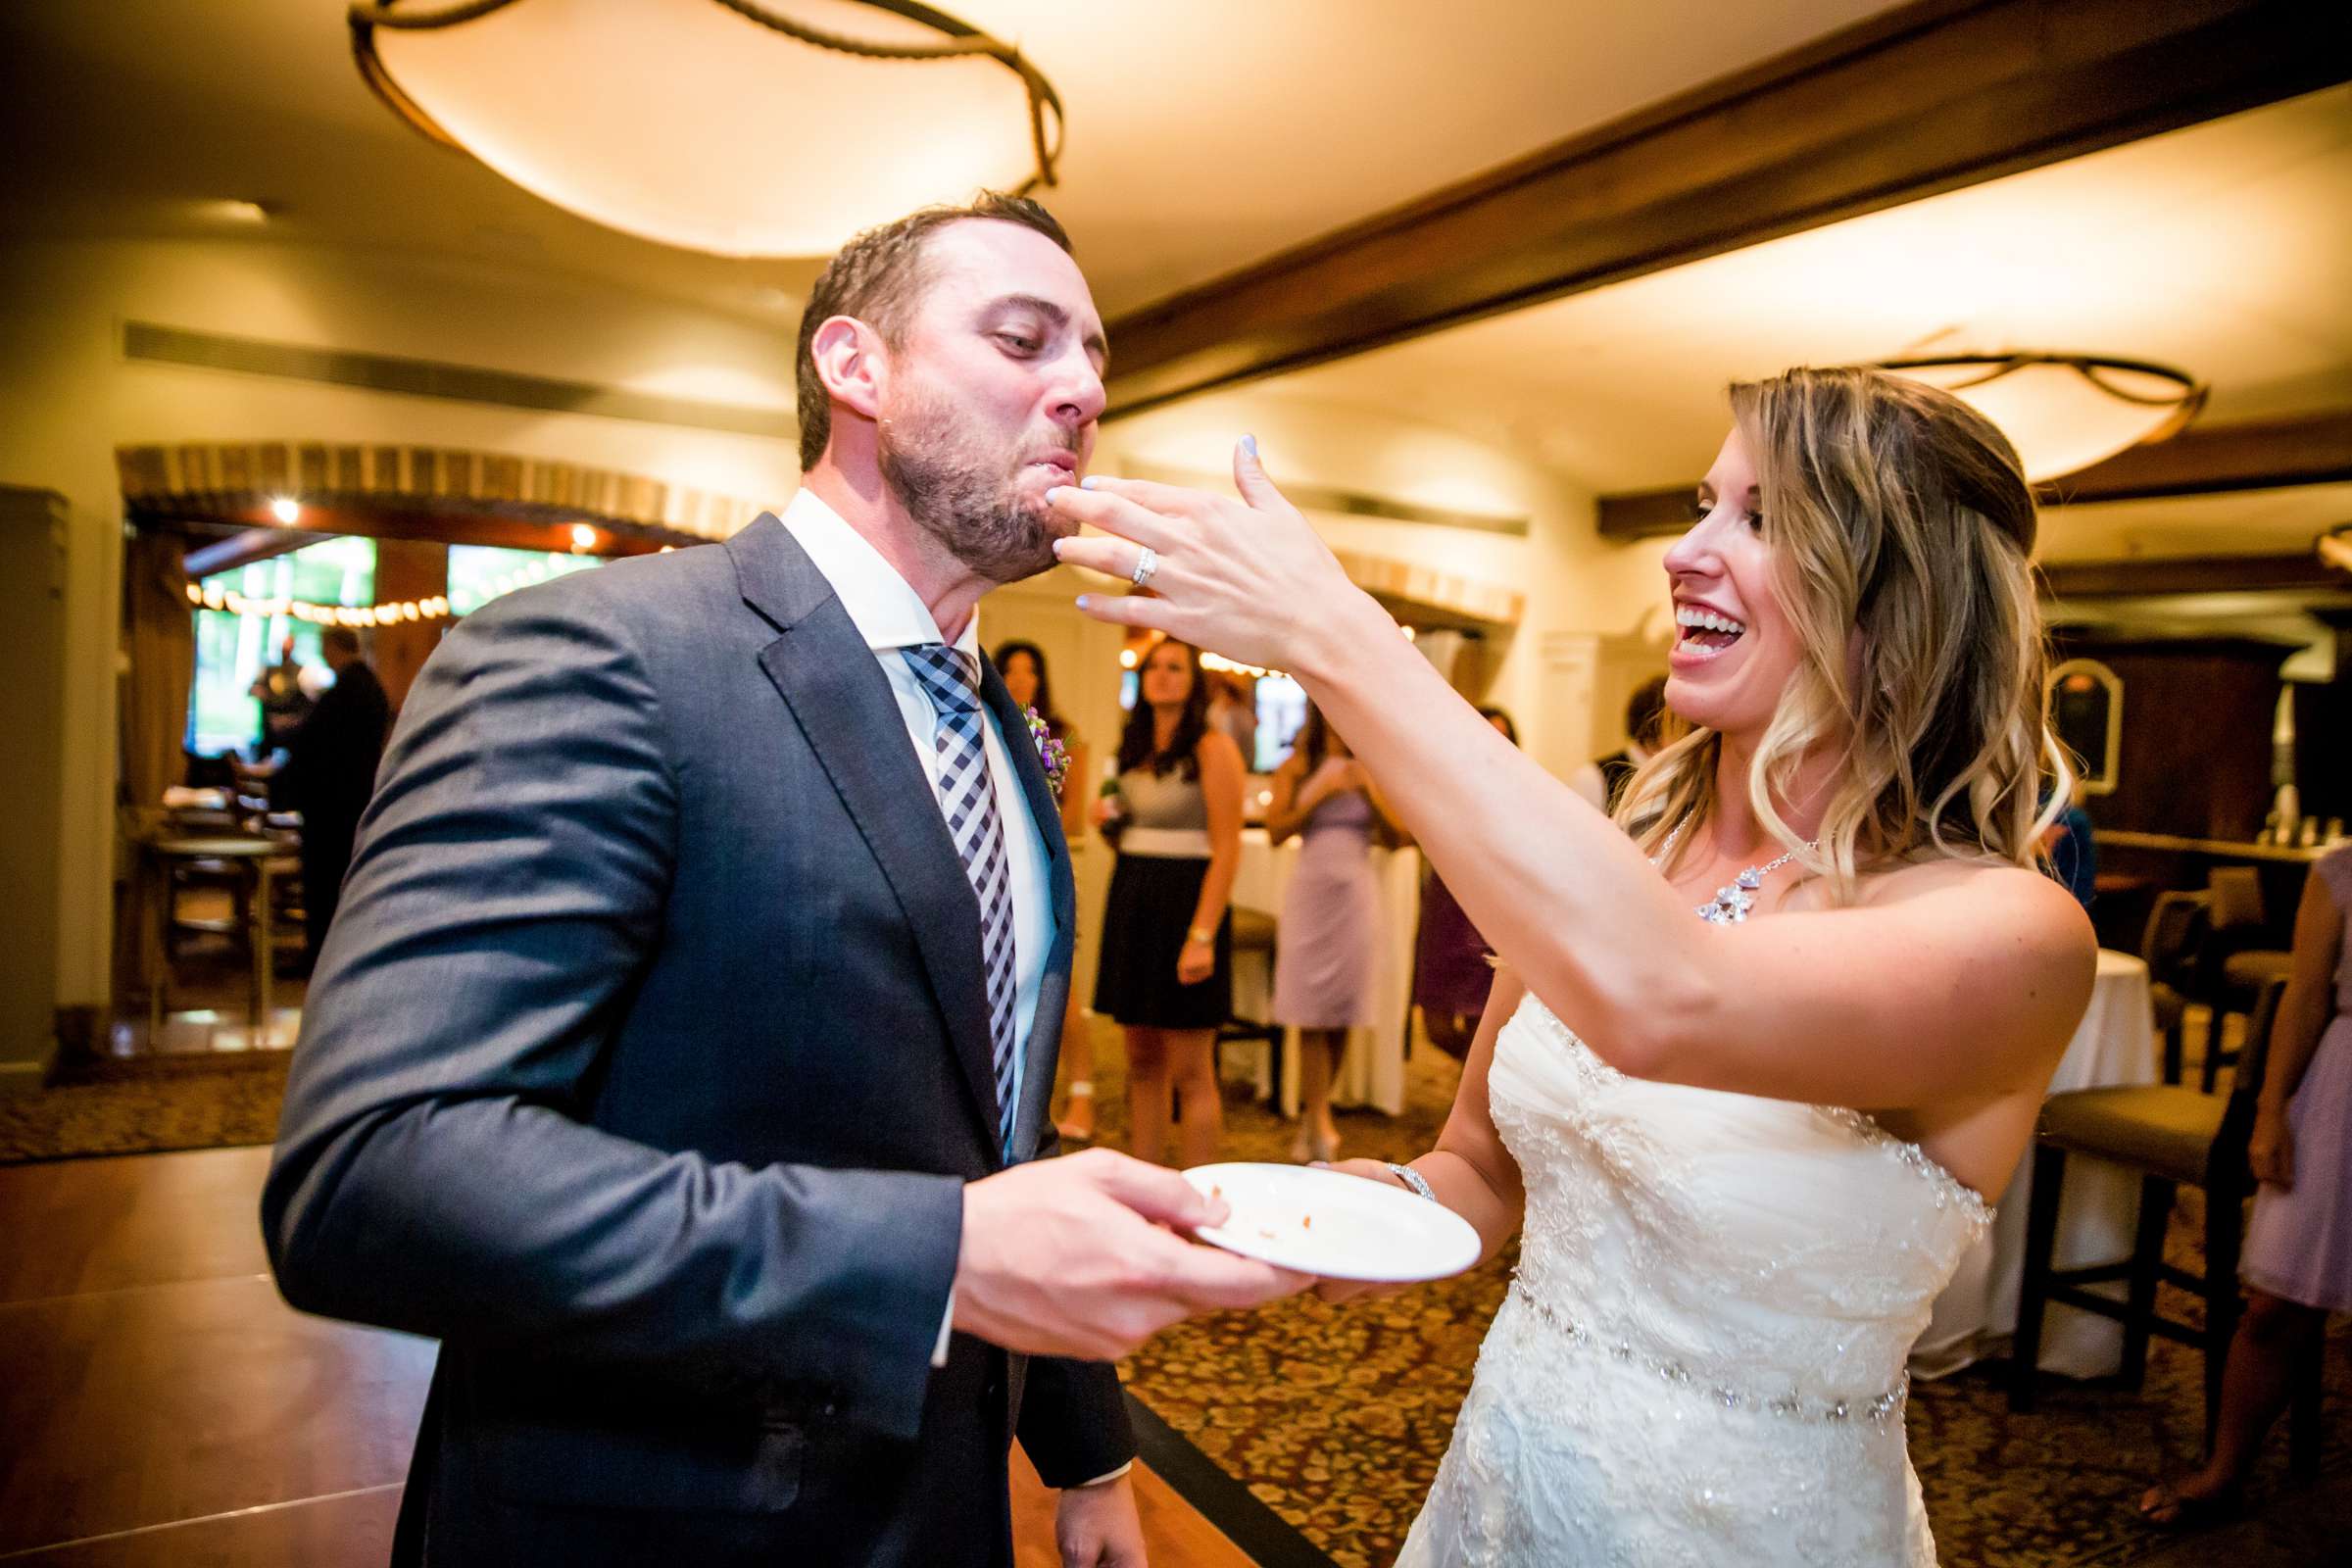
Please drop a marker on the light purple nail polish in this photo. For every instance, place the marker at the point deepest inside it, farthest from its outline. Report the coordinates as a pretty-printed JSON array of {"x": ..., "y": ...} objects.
[
  {"x": 1091, "y": 481},
  {"x": 1250, "y": 445}
]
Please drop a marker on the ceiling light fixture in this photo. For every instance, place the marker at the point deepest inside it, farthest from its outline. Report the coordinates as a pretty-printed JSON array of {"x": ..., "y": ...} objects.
[
  {"x": 286, "y": 510},
  {"x": 2064, "y": 411},
  {"x": 233, "y": 212},
  {"x": 718, "y": 125}
]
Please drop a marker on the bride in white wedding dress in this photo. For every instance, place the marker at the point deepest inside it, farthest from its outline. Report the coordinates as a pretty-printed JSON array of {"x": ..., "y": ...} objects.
[{"x": 1760, "y": 1052}]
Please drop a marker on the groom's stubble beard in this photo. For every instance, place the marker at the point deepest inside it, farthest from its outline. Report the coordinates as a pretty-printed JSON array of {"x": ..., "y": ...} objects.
[{"x": 965, "y": 490}]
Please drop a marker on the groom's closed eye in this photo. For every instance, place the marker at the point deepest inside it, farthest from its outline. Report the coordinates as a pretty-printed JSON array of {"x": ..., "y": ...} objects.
[{"x": 1038, "y": 319}]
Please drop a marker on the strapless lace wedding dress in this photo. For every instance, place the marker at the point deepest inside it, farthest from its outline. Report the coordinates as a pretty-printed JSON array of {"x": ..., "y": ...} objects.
[{"x": 1701, "y": 1360}]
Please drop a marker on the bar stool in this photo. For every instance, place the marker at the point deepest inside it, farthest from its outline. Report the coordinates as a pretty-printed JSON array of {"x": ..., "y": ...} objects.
[
  {"x": 258, "y": 861},
  {"x": 1255, "y": 936},
  {"x": 2173, "y": 1137},
  {"x": 2235, "y": 969}
]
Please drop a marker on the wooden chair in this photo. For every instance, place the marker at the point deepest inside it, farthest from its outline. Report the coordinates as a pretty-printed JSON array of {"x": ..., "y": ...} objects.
[
  {"x": 2172, "y": 1137},
  {"x": 2170, "y": 944}
]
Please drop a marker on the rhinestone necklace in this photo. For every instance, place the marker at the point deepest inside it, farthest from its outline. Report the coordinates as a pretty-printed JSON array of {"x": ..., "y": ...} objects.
[{"x": 1732, "y": 901}]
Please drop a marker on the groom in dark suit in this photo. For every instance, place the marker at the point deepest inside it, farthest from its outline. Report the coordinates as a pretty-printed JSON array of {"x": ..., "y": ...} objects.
[{"x": 681, "y": 1052}]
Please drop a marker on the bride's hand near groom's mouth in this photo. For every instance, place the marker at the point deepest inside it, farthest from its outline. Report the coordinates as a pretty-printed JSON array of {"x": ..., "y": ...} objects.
[
  {"x": 1236, "y": 576},
  {"x": 1077, "y": 1257}
]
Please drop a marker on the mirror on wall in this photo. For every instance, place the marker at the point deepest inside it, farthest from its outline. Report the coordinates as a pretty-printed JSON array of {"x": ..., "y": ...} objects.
[{"x": 2085, "y": 703}]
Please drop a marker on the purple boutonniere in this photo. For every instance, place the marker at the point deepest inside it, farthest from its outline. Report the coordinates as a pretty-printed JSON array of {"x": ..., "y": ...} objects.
[{"x": 1051, "y": 752}]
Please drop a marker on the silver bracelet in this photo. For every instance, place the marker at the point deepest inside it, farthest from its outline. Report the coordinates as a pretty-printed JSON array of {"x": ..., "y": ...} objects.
[{"x": 1413, "y": 1179}]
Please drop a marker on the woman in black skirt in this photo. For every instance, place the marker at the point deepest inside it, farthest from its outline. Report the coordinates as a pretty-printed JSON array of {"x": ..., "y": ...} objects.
[{"x": 1165, "y": 973}]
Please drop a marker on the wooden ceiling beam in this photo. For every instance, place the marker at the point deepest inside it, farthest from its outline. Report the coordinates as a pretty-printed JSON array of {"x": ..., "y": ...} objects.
[
  {"x": 1925, "y": 98},
  {"x": 439, "y": 525},
  {"x": 2245, "y": 454},
  {"x": 2163, "y": 576}
]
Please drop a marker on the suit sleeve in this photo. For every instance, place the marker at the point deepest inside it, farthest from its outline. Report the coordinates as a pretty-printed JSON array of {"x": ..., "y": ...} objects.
[
  {"x": 1073, "y": 1423},
  {"x": 435, "y": 1171}
]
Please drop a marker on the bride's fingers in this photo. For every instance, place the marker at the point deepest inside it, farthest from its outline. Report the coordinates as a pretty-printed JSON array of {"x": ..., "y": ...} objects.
[
  {"x": 1249, "y": 478},
  {"x": 1111, "y": 556},
  {"x": 1174, "y": 499},
  {"x": 1129, "y": 610},
  {"x": 1114, "y": 513}
]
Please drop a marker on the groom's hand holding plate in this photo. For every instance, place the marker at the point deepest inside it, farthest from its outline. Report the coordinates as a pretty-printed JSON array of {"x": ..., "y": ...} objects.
[{"x": 1081, "y": 1257}]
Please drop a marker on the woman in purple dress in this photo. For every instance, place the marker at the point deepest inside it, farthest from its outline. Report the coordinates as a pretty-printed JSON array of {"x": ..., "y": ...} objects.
[
  {"x": 2297, "y": 1262},
  {"x": 1330, "y": 931},
  {"x": 1451, "y": 971}
]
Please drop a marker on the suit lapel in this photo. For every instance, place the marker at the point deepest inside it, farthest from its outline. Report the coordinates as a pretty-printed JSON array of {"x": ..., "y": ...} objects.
[
  {"x": 1053, "y": 989},
  {"x": 843, "y": 705}
]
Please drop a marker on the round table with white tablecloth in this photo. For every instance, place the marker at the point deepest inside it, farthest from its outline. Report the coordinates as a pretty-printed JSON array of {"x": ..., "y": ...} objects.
[
  {"x": 1975, "y": 1316},
  {"x": 1372, "y": 1072}
]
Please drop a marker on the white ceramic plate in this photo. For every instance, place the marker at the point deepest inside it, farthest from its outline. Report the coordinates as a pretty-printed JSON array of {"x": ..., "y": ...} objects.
[{"x": 1338, "y": 1226}]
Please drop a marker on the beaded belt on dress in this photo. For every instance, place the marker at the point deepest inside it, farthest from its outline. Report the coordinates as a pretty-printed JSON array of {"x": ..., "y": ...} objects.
[{"x": 1792, "y": 1405}]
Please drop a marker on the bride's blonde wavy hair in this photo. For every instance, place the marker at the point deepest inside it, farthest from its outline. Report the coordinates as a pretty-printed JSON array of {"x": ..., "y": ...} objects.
[{"x": 1899, "y": 522}]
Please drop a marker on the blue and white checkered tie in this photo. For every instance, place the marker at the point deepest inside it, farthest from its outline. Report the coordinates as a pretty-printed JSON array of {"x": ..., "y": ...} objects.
[{"x": 968, "y": 797}]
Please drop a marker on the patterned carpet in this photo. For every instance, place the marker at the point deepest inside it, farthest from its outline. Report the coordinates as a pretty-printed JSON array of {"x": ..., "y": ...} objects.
[
  {"x": 1336, "y": 1417},
  {"x": 148, "y": 1107}
]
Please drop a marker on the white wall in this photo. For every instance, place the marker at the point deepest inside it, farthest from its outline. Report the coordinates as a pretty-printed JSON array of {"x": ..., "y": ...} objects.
[
  {"x": 1592, "y": 626},
  {"x": 69, "y": 397}
]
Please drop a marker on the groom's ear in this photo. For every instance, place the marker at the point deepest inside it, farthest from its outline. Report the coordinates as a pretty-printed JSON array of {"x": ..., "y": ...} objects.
[{"x": 851, "y": 363}]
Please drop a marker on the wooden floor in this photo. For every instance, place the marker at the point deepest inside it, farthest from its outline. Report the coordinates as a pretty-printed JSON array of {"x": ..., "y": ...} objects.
[{"x": 158, "y": 1404}]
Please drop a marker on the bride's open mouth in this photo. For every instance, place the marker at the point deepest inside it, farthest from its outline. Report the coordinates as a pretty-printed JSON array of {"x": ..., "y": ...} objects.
[{"x": 1704, "y": 633}]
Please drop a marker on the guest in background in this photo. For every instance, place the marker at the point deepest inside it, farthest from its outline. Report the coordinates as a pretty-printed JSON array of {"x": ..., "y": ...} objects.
[
  {"x": 284, "y": 690},
  {"x": 1022, "y": 667},
  {"x": 2072, "y": 855},
  {"x": 2297, "y": 1261},
  {"x": 1165, "y": 970},
  {"x": 1232, "y": 710},
  {"x": 330, "y": 773},
  {"x": 1324, "y": 964},
  {"x": 1603, "y": 780},
  {"x": 1451, "y": 974}
]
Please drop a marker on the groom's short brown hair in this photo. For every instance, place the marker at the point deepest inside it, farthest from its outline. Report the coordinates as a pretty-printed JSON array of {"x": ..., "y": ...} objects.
[{"x": 876, "y": 277}]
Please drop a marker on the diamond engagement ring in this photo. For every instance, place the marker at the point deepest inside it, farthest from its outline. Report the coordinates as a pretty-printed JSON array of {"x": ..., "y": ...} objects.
[{"x": 1147, "y": 561}]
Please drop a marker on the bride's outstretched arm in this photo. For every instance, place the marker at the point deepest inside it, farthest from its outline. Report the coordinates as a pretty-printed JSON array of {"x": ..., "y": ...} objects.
[
  {"x": 1470, "y": 1170},
  {"x": 1969, "y": 986}
]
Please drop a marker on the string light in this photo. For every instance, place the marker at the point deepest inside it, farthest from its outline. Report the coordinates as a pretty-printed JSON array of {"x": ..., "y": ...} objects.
[{"x": 212, "y": 596}]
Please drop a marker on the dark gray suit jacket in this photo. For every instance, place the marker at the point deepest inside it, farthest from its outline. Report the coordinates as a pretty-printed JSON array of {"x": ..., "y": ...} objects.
[{"x": 644, "y": 1067}]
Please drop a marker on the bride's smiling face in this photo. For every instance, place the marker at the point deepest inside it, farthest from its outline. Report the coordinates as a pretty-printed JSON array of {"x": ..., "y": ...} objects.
[{"x": 1734, "y": 649}]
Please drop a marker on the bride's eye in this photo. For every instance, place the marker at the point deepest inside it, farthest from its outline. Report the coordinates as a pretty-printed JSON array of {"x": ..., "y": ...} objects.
[{"x": 1700, "y": 508}]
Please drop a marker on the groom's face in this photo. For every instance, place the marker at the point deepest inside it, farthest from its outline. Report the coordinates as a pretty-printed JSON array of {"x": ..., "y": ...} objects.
[{"x": 993, "y": 395}]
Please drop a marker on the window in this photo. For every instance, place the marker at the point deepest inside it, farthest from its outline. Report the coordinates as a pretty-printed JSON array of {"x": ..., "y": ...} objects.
[
  {"x": 233, "y": 649},
  {"x": 1281, "y": 711},
  {"x": 479, "y": 573}
]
